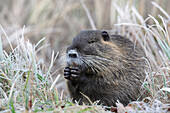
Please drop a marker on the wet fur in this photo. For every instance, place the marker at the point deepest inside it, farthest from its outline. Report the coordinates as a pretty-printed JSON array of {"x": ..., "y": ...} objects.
[{"x": 111, "y": 70}]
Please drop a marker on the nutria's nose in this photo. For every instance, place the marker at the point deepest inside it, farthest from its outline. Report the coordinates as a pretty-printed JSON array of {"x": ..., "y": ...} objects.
[{"x": 72, "y": 54}]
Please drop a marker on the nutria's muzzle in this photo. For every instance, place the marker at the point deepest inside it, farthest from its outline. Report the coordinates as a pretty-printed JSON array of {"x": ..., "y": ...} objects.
[{"x": 73, "y": 58}]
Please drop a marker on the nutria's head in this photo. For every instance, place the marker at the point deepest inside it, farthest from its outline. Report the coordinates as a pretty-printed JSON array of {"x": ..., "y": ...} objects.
[
  {"x": 93, "y": 50},
  {"x": 98, "y": 53}
]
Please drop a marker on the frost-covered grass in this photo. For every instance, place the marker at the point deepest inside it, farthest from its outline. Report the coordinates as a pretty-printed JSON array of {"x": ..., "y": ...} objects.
[{"x": 26, "y": 83}]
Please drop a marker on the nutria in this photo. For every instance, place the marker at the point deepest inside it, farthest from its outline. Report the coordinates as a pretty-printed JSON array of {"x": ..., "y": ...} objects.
[{"x": 104, "y": 67}]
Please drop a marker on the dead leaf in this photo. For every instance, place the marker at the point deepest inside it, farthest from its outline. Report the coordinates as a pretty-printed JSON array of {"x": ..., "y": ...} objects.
[{"x": 122, "y": 109}]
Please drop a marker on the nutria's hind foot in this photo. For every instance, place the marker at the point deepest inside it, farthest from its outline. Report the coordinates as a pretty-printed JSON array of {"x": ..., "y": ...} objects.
[{"x": 72, "y": 73}]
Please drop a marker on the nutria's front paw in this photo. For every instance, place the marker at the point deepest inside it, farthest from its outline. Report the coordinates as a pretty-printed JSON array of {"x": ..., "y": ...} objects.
[{"x": 72, "y": 73}]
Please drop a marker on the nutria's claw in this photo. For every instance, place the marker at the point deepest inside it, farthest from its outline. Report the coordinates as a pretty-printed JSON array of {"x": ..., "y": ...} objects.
[
  {"x": 67, "y": 73},
  {"x": 71, "y": 73}
]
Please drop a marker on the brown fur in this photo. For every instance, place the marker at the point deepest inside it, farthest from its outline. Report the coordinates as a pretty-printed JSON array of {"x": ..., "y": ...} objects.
[{"x": 111, "y": 70}]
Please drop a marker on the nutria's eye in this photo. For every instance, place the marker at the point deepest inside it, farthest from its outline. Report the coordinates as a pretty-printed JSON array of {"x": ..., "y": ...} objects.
[
  {"x": 91, "y": 42},
  {"x": 105, "y": 36}
]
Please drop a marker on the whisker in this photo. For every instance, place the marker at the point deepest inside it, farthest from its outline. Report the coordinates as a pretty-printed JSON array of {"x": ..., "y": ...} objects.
[
  {"x": 89, "y": 65},
  {"x": 97, "y": 57},
  {"x": 94, "y": 64},
  {"x": 62, "y": 59}
]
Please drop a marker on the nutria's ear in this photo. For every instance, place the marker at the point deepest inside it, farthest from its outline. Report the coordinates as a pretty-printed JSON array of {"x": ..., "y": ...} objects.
[{"x": 105, "y": 36}]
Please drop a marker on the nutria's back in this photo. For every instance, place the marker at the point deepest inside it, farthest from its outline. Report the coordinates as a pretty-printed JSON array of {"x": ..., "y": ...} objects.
[{"x": 104, "y": 67}]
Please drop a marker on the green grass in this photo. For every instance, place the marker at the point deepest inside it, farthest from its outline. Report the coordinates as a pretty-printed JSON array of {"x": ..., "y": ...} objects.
[{"x": 27, "y": 81}]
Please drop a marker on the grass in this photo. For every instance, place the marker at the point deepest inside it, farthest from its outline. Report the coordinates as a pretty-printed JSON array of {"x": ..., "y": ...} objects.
[{"x": 28, "y": 70}]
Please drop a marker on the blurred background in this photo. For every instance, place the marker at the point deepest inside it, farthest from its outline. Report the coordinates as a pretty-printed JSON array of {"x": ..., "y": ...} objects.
[{"x": 60, "y": 20}]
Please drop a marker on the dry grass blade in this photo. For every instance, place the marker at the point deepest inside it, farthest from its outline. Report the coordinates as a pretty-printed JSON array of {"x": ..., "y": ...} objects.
[
  {"x": 88, "y": 15},
  {"x": 87, "y": 98},
  {"x": 162, "y": 10},
  {"x": 52, "y": 86},
  {"x": 6, "y": 37}
]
